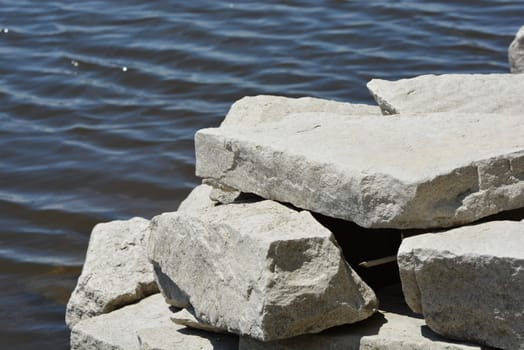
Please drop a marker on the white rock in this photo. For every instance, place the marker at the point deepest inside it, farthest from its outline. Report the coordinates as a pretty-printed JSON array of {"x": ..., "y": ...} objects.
[
  {"x": 469, "y": 282},
  {"x": 197, "y": 200},
  {"x": 254, "y": 110},
  {"x": 471, "y": 93},
  {"x": 386, "y": 330},
  {"x": 263, "y": 269},
  {"x": 516, "y": 52},
  {"x": 145, "y": 325},
  {"x": 185, "y": 318},
  {"x": 116, "y": 271},
  {"x": 432, "y": 170}
]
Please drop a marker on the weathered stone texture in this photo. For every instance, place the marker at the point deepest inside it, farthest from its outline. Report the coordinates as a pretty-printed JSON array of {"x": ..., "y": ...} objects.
[
  {"x": 471, "y": 93},
  {"x": 197, "y": 200},
  {"x": 263, "y": 270},
  {"x": 469, "y": 282},
  {"x": 435, "y": 170},
  {"x": 255, "y": 110},
  {"x": 116, "y": 271},
  {"x": 516, "y": 52}
]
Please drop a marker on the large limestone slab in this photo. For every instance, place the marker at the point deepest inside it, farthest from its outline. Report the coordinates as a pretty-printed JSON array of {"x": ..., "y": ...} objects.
[
  {"x": 516, "y": 52},
  {"x": 145, "y": 325},
  {"x": 254, "y": 110},
  {"x": 469, "y": 282},
  {"x": 421, "y": 171},
  {"x": 116, "y": 271},
  {"x": 263, "y": 270},
  {"x": 393, "y": 328},
  {"x": 471, "y": 93}
]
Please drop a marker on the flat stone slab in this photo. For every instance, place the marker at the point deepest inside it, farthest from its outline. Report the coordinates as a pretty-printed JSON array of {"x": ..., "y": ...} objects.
[
  {"x": 397, "y": 329},
  {"x": 435, "y": 170},
  {"x": 145, "y": 325},
  {"x": 254, "y": 110},
  {"x": 471, "y": 93},
  {"x": 469, "y": 282},
  {"x": 516, "y": 52},
  {"x": 263, "y": 270},
  {"x": 116, "y": 271}
]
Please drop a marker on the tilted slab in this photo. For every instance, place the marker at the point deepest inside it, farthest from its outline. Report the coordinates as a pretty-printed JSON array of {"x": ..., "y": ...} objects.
[
  {"x": 145, "y": 325},
  {"x": 469, "y": 282},
  {"x": 254, "y": 110},
  {"x": 435, "y": 170},
  {"x": 116, "y": 271},
  {"x": 259, "y": 269},
  {"x": 472, "y": 93},
  {"x": 516, "y": 52}
]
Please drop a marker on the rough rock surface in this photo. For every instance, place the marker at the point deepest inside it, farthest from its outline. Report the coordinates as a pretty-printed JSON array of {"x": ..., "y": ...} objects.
[
  {"x": 394, "y": 329},
  {"x": 472, "y": 93},
  {"x": 263, "y": 270},
  {"x": 185, "y": 318},
  {"x": 197, "y": 200},
  {"x": 435, "y": 170},
  {"x": 469, "y": 282},
  {"x": 116, "y": 271},
  {"x": 175, "y": 337},
  {"x": 117, "y": 330},
  {"x": 516, "y": 52},
  {"x": 254, "y": 110}
]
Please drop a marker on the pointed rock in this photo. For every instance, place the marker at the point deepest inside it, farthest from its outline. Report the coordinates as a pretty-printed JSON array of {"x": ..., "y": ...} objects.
[
  {"x": 263, "y": 270},
  {"x": 116, "y": 271},
  {"x": 468, "y": 282},
  {"x": 435, "y": 170},
  {"x": 471, "y": 93}
]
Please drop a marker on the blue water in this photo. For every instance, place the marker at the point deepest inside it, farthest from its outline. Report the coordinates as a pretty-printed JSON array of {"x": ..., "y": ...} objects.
[{"x": 100, "y": 101}]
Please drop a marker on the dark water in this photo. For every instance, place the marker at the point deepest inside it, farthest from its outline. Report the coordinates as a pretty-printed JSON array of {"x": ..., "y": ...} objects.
[{"x": 84, "y": 140}]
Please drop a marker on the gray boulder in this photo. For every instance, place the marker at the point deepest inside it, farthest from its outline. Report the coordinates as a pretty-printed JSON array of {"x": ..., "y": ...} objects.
[
  {"x": 264, "y": 270},
  {"x": 469, "y": 282},
  {"x": 254, "y": 110},
  {"x": 516, "y": 52},
  {"x": 435, "y": 170},
  {"x": 116, "y": 271},
  {"x": 197, "y": 200},
  {"x": 471, "y": 93}
]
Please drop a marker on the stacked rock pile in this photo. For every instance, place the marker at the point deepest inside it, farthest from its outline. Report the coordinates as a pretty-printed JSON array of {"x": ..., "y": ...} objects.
[{"x": 329, "y": 225}]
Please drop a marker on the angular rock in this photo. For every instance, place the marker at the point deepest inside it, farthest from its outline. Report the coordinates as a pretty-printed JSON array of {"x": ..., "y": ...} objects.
[
  {"x": 254, "y": 110},
  {"x": 117, "y": 330},
  {"x": 137, "y": 326},
  {"x": 469, "y": 282},
  {"x": 116, "y": 271},
  {"x": 394, "y": 329},
  {"x": 185, "y": 318},
  {"x": 197, "y": 200},
  {"x": 516, "y": 52},
  {"x": 467, "y": 93},
  {"x": 263, "y": 270},
  {"x": 435, "y": 170}
]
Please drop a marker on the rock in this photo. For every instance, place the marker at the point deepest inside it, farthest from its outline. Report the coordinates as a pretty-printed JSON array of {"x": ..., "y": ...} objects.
[
  {"x": 197, "y": 200},
  {"x": 395, "y": 329},
  {"x": 263, "y": 270},
  {"x": 469, "y": 282},
  {"x": 467, "y": 93},
  {"x": 516, "y": 52},
  {"x": 173, "y": 337},
  {"x": 435, "y": 170},
  {"x": 145, "y": 325},
  {"x": 254, "y": 110},
  {"x": 185, "y": 318},
  {"x": 117, "y": 330},
  {"x": 116, "y": 271}
]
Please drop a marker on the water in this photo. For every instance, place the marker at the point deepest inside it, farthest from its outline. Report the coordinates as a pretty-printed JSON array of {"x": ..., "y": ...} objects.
[{"x": 100, "y": 101}]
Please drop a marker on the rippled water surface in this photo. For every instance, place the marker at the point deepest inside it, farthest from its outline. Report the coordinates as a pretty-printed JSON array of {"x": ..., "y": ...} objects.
[{"x": 100, "y": 101}]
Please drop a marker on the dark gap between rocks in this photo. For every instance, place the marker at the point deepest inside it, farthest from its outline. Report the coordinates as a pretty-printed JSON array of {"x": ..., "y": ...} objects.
[{"x": 361, "y": 244}]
